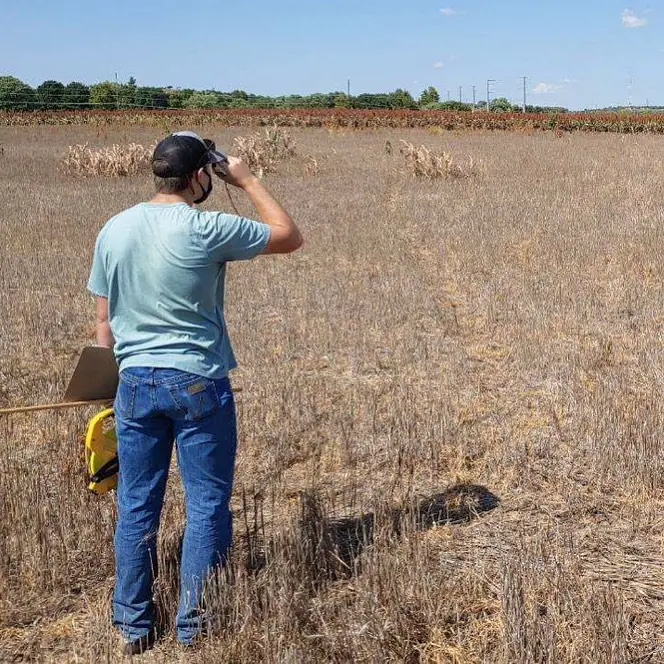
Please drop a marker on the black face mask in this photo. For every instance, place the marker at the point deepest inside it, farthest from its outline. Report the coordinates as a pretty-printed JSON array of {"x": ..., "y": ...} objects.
[{"x": 206, "y": 192}]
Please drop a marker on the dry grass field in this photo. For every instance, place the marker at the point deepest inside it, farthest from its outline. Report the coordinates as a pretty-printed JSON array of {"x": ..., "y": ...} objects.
[{"x": 451, "y": 419}]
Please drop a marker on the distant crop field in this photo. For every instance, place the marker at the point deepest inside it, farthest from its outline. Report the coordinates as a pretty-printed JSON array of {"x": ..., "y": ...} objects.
[
  {"x": 451, "y": 418},
  {"x": 619, "y": 122}
]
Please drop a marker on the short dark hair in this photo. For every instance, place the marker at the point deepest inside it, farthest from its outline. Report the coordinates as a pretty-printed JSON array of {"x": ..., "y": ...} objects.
[{"x": 171, "y": 185}]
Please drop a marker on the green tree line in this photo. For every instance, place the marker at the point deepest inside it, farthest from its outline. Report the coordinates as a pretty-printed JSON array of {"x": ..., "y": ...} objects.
[{"x": 15, "y": 95}]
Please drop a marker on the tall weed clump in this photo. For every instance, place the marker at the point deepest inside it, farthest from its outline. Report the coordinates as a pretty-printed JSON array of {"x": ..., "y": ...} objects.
[
  {"x": 115, "y": 160},
  {"x": 263, "y": 150},
  {"x": 422, "y": 162}
]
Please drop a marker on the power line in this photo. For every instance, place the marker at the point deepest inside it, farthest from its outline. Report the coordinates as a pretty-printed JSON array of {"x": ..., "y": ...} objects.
[
  {"x": 10, "y": 93},
  {"x": 108, "y": 105},
  {"x": 70, "y": 93}
]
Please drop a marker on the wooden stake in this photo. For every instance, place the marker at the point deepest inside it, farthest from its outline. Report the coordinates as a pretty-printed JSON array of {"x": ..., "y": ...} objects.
[
  {"x": 62, "y": 406},
  {"x": 52, "y": 406}
]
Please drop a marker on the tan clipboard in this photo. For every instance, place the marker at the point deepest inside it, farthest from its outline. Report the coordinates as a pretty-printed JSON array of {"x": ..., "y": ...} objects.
[
  {"x": 95, "y": 380},
  {"x": 95, "y": 377}
]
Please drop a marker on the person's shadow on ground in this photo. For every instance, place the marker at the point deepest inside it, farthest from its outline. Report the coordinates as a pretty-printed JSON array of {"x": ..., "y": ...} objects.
[
  {"x": 331, "y": 547},
  {"x": 321, "y": 549}
]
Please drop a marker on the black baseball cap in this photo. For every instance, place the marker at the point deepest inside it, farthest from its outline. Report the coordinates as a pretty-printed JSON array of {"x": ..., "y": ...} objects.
[{"x": 182, "y": 153}]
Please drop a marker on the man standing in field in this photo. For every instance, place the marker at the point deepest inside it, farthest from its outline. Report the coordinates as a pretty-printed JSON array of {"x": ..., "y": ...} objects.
[{"x": 158, "y": 276}]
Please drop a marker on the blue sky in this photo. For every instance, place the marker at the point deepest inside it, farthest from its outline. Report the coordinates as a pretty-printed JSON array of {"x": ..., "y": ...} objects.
[{"x": 578, "y": 54}]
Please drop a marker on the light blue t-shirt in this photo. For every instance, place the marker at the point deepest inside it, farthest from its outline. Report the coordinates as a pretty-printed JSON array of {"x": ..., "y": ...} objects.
[{"x": 162, "y": 268}]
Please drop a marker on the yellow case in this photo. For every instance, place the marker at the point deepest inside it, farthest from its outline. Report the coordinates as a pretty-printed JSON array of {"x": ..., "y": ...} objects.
[{"x": 101, "y": 452}]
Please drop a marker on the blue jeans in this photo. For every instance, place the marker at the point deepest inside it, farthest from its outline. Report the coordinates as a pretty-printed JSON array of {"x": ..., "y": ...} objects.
[{"x": 154, "y": 408}]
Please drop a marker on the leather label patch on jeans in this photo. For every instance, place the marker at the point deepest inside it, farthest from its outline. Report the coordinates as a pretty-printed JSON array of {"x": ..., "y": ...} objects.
[{"x": 196, "y": 388}]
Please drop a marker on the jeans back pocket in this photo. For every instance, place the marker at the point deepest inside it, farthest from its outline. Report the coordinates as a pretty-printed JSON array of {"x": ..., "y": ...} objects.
[
  {"x": 124, "y": 399},
  {"x": 195, "y": 400}
]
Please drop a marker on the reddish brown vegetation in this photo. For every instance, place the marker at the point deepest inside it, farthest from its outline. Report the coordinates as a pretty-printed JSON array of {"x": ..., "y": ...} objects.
[{"x": 352, "y": 118}]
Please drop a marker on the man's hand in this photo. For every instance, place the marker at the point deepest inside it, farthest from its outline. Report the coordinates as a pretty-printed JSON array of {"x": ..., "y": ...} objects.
[
  {"x": 284, "y": 234},
  {"x": 239, "y": 174}
]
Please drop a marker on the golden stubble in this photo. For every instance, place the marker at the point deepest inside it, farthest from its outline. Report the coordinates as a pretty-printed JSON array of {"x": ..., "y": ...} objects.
[{"x": 450, "y": 421}]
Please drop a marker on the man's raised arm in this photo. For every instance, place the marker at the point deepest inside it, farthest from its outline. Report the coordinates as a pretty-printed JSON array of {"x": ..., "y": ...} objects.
[{"x": 285, "y": 236}]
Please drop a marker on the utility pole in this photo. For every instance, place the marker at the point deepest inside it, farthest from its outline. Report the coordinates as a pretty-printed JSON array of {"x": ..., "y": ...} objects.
[
  {"x": 525, "y": 79},
  {"x": 489, "y": 81},
  {"x": 448, "y": 96},
  {"x": 474, "y": 96},
  {"x": 348, "y": 88},
  {"x": 461, "y": 94}
]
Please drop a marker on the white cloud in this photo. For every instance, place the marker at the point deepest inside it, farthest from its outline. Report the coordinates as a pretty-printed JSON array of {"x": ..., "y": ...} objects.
[
  {"x": 448, "y": 11},
  {"x": 438, "y": 65},
  {"x": 631, "y": 20},
  {"x": 546, "y": 88}
]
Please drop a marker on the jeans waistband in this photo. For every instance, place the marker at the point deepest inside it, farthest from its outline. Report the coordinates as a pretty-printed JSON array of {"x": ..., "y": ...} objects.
[{"x": 160, "y": 376}]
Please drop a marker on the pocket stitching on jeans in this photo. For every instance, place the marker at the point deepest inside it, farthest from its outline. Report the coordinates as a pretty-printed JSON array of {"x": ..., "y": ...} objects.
[
  {"x": 174, "y": 396},
  {"x": 173, "y": 391},
  {"x": 188, "y": 382},
  {"x": 215, "y": 400},
  {"x": 126, "y": 410},
  {"x": 216, "y": 394},
  {"x": 132, "y": 399}
]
